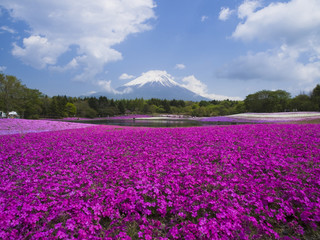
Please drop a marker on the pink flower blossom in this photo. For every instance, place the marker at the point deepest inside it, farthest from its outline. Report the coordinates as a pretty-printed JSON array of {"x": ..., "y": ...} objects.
[{"x": 222, "y": 182}]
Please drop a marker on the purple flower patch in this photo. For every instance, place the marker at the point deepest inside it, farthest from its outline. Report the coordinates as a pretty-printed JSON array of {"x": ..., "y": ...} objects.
[{"x": 101, "y": 182}]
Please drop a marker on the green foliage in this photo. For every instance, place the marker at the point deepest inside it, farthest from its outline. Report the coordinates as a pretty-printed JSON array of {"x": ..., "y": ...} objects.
[
  {"x": 166, "y": 106},
  {"x": 121, "y": 107},
  {"x": 31, "y": 107},
  {"x": 204, "y": 103},
  {"x": 71, "y": 109},
  {"x": 14, "y": 96},
  {"x": 11, "y": 93},
  {"x": 94, "y": 102},
  {"x": 315, "y": 97},
  {"x": 84, "y": 110},
  {"x": 53, "y": 108},
  {"x": 177, "y": 103},
  {"x": 45, "y": 106},
  {"x": 303, "y": 102},
  {"x": 267, "y": 101}
]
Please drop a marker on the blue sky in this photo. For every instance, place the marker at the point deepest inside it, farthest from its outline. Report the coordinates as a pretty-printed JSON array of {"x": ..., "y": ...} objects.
[{"x": 217, "y": 48}]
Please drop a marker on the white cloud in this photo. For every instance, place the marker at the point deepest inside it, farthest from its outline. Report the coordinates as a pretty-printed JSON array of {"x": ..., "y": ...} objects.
[
  {"x": 38, "y": 51},
  {"x": 3, "y": 68},
  {"x": 225, "y": 13},
  {"x": 180, "y": 66},
  {"x": 106, "y": 86},
  {"x": 294, "y": 22},
  {"x": 248, "y": 7},
  {"x": 7, "y": 29},
  {"x": 293, "y": 29},
  {"x": 125, "y": 76},
  {"x": 195, "y": 85},
  {"x": 90, "y": 93},
  {"x": 73, "y": 64},
  {"x": 204, "y": 18},
  {"x": 94, "y": 27},
  {"x": 271, "y": 66}
]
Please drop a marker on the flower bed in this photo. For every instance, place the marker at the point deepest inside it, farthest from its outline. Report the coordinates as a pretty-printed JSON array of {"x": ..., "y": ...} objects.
[
  {"x": 231, "y": 119},
  {"x": 106, "y": 118},
  {"x": 265, "y": 117},
  {"x": 14, "y": 126},
  {"x": 277, "y": 117},
  {"x": 234, "y": 182}
]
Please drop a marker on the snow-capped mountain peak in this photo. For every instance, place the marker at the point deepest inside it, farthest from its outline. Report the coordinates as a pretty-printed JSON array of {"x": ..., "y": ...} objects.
[
  {"x": 153, "y": 77},
  {"x": 153, "y": 84}
]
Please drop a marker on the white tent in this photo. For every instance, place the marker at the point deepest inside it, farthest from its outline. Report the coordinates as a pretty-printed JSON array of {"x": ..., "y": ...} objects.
[
  {"x": 13, "y": 114},
  {"x": 2, "y": 114}
]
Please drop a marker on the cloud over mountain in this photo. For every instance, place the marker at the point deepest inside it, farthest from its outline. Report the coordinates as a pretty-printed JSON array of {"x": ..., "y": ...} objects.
[
  {"x": 125, "y": 76},
  {"x": 195, "y": 85}
]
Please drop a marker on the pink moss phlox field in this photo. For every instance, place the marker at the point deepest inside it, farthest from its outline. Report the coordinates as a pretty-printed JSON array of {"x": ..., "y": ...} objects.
[
  {"x": 15, "y": 126},
  {"x": 231, "y": 119},
  {"x": 234, "y": 182},
  {"x": 130, "y": 117},
  {"x": 276, "y": 117},
  {"x": 106, "y": 118}
]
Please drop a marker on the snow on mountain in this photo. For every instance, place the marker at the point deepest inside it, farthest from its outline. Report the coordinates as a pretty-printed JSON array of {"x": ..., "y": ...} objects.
[{"x": 153, "y": 76}]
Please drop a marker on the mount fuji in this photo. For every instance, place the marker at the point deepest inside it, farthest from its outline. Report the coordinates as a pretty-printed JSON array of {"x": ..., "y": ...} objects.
[{"x": 153, "y": 84}]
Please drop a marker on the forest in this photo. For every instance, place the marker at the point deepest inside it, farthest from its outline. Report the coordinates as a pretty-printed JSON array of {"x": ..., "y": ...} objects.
[{"x": 32, "y": 104}]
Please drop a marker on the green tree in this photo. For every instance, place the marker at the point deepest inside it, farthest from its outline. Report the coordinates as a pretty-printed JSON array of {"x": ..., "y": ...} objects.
[
  {"x": 267, "y": 101},
  {"x": 139, "y": 104},
  {"x": 303, "y": 102},
  {"x": 200, "y": 112},
  {"x": 280, "y": 100},
  {"x": 14, "y": 96},
  {"x": 166, "y": 106},
  {"x": 31, "y": 107},
  {"x": 71, "y": 109},
  {"x": 315, "y": 97},
  {"x": 94, "y": 103},
  {"x": 54, "y": 108},
  {"x": 204, "y": 103},
  {"x": 11, "y": 93},
  {"x": 62, "y": 102},
  {"x": 152, "y": 109},
  {"x": 45, "y": 106},
  {"x": 121, "y": 107},
  {"x": 239, "y": 107},
  {"x": 84, "y": 110}
]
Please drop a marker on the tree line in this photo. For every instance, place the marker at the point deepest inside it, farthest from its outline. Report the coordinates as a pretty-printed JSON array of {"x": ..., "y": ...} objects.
[
  {"x": 32, "y": 104},
  {"x": 281, "y": 101}
]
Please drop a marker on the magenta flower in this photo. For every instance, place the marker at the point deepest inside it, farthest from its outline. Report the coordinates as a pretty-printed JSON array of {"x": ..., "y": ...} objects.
[{"x": 104, "y": 182}]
